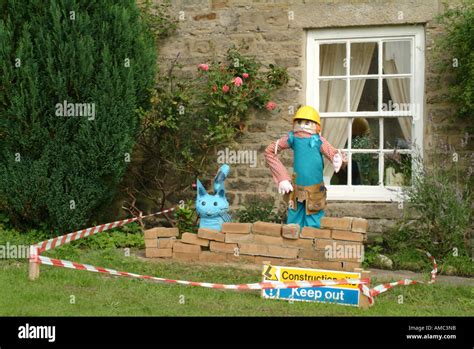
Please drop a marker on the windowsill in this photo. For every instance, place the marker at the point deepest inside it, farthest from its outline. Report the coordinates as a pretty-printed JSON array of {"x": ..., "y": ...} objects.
[{"x": 363, "y": 193}]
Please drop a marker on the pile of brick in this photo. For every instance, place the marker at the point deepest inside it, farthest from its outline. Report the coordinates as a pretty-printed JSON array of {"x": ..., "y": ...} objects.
[{"x": 338, "y": 245}]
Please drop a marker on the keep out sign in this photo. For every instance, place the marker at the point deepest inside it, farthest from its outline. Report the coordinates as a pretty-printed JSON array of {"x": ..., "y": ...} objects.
[{"x": 341, "y": 294}]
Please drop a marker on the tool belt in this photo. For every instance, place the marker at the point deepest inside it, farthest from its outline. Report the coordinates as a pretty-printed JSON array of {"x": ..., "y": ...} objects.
[{"x": 314, "y": 196}]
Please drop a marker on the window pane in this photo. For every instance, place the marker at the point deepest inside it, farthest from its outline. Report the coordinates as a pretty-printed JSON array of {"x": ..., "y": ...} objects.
[
  {"x": 364, "y": 58},
  {"x": 397, "y": 169},
  {"x": 365, "y": 169},
  {"x": 396, "y": 94},
  {"x": 332, "y": 59},
  {"x": 332, "y": 96},
  {"x": 364, "y": 94},
  {"x": 365, "y": 133},
  {"x": 397, "y": 132},
  {"x": 338, "y": 138},
  {"x": 396, "y": 57}
]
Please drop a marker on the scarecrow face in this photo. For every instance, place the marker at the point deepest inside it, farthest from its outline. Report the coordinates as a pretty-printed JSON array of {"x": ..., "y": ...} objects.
[{"x": 305, "y": 125}]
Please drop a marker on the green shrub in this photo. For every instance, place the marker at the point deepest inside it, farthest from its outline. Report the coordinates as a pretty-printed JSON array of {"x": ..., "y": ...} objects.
[
  {"x": 130, "y": 235},
  {"x": 258, "y": 210},
  {"x": 456, "y": 56},
  {"x": 192, "y": 118},
  {"x": 61, "y": 170},
  {"x": 186, "y": 218},
  {"x": 444, "y": 206}
]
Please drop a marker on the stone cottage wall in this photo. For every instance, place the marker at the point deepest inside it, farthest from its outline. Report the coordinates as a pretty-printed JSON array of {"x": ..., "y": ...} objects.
[{"x": 274, "y": 32}]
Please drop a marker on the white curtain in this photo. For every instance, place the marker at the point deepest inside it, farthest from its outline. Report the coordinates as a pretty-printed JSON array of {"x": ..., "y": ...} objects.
[
  {"x": 396, "y": 62},
  {"x": 332, "y": 93}
]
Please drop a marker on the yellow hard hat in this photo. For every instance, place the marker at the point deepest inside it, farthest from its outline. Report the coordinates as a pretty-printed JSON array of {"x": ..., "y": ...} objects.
[{"x": 307, "y": 113}]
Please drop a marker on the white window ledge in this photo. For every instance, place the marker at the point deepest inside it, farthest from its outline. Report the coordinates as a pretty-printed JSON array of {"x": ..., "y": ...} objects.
[{"x": 363, "y": 193}]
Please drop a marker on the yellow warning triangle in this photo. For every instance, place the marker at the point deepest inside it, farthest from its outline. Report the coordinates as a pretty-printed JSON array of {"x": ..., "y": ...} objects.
[{"x": 269, "y": 272}]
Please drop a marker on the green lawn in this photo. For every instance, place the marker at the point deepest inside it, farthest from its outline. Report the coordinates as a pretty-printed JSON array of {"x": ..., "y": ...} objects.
[{"x": 97, "y": 294}]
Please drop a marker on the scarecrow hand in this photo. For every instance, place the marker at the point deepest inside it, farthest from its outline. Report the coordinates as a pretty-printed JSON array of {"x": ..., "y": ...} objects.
[
  {"x": 285, "y": 187},
  {"x": 337, "y": 162}
]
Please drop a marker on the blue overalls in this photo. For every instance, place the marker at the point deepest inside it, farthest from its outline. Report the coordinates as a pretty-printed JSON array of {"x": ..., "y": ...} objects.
[{"x": 308, "y": 166}]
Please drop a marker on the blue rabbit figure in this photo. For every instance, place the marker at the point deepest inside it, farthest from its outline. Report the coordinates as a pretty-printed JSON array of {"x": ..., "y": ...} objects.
[{"x": 212, "y": 209}]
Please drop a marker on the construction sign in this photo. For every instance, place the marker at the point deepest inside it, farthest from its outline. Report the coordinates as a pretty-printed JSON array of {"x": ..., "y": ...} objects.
[{"x": 341, "y": 294}]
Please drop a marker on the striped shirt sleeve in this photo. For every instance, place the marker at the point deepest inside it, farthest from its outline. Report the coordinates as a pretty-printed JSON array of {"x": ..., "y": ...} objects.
[
  {"x": 329, "y": 151},
  {"x": 279, "y": 171}
]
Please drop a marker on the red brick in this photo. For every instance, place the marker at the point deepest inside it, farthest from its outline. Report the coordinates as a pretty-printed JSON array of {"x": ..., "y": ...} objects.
[
  {"x": 193, "y": 239},
  {"x": 268, "y": 250},
  {"x": 360, "y": 225},
  {"x": 347, "y": 235},
  {"x": 232, "y": 258},
  {"x": 183, "y": 256},
  {"x": 158, "y": 252},
  {"x": 336, "y": 223},
  {"x": 300, "y": 243},
  {"x": 235, "y": 238},
  {"x": 329, "y": 265},
  {"x": 222, "y": 247},
  {"x": 252, "y": 249},
  {"x": 185, "y": 248},
  {"x": 210, "y": 234},
  {"x": 236, "y": 228},
  {"x": 314, "y": 233},
  {"x": 272, "y": 260},
  {"x": 166, "y": 242},
  {"x": 283, "y": 252},
  {"x": 150, "y": 234},
  {"x": 151, "y": 243},
  {"x": 290, "y": 231},
  {"x": 350, "y": 266},
  {"x": 317, "y": 255},
  {"x": 322, "y": 243},
  {"x": 161, "y": 232},
  {"x": 264, "y": 228},
  {"x": 268, "y": 240},
  {"x": 212, "y": 257},
  {"x": 279, "y": 241}
]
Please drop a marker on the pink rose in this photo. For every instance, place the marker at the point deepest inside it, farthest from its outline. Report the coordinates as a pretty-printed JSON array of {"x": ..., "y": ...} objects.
[
  {"x": 237, "y": 81},
  {"x": 245, "y": 75},
  {"x": 203, "y": 67},
  {"x": 225, "y": 88},
  {"x": 271, "y": 106}
]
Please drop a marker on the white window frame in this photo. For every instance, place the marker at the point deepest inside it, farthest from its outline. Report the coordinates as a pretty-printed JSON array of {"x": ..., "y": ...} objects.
[{"x": 416, "y": 34}]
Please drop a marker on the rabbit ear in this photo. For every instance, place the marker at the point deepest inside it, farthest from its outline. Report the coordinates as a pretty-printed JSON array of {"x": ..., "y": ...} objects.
[
  {"x": 220, "y": 177},
  {"x": 221, "y": 193},
  {"x": 200, "y": 188}
]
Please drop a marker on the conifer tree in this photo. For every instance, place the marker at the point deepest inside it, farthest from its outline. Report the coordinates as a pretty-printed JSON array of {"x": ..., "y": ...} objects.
[{"x": 73, "y": 76}]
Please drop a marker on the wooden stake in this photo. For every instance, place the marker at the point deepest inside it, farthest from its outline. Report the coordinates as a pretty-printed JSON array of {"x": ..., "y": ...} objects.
[
  {"x": 363, "y": 299},
  {"x": 34, "y": 270}
]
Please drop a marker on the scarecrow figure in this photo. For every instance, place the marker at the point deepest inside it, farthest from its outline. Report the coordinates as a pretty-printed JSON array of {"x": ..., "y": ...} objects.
[{"x": 305, "y": 191}]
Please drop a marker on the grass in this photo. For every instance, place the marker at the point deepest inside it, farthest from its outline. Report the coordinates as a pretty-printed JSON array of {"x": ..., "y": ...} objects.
[{"x": 100, "y": 295}]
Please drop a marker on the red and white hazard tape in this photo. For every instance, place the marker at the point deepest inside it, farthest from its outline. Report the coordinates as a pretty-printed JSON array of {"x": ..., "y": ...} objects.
[
  {"x": 375, "y": 291},
  {"x": 254, "y": 286},
  {"x": 65, "y": 239},
  {"x": 50, "y": 244},
  {"x": 362, "y": 283}
]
